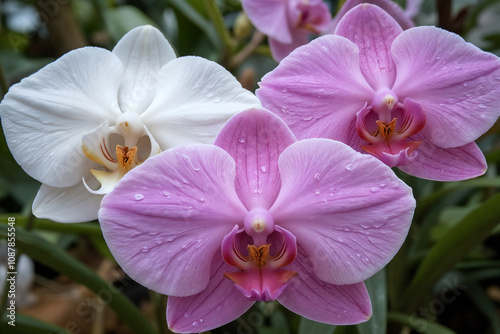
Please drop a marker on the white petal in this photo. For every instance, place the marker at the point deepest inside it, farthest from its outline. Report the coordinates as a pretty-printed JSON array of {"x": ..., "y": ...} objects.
[
  {"x": 194, "y": 99},
  {"x": 143, "y": 51},
  {"x": 46, "y": 114},
  {"x": 66, "y": 205}
]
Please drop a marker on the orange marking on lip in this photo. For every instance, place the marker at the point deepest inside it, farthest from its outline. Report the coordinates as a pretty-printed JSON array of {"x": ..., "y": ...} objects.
[{"x": 125, "y": 157}]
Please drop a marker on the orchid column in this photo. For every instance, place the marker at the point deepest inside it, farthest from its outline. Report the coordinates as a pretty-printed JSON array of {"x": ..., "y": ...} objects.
[
  {"x": 81, "y": 123},
  {"x": 258, "y": 217}
]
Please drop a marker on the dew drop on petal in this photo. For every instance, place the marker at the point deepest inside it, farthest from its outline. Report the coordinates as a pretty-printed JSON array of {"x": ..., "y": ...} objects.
[
  {"x": 52, "y": 154},
  {"x": 465, "y": 84},
  {"x": 242, "y": 140},
  {"x": 317, "y": 176},
  {"x": 159, "y": 242},
  {"x": 317, "y": 191},
  {"x": 202, "y": 200},
  {"x": 201, "y": 320},
  {"x": 139, "y": 197},
  {"x": 348, "y": 166},
  {"x": 374, "y": 190},
  {"x": 145, "y": 249},
  {"x": 263, "y": 169},
  {"x": 153, "y": 233},
  {"x": 306, "y": 118},
  {"x": 166, "y": 193},
  {"x": 187, "y": 314},
  {"x": 195, "y": 323}
]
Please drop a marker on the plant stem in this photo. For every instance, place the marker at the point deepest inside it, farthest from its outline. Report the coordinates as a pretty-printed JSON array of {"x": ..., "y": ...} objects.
[{"x": 215, "y": 16}]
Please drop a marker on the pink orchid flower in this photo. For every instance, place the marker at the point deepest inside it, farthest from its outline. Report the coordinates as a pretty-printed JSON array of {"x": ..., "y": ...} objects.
[
  {"x": 416, "y": 99},
  {"x": 288, "y": 23},
  {"x": 258, "y": 216}
]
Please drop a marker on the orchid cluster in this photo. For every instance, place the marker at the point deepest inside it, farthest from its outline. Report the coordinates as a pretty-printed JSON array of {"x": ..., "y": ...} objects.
[{"x": 219, "y": 198}]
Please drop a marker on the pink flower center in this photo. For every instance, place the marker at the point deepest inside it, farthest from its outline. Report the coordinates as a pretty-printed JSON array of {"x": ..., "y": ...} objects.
[
  {"x": 259, "y": 260},
  {"x": 387, "y": 124}
]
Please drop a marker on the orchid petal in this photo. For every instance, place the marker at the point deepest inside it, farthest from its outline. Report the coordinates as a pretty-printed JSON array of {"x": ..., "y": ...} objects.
[
  {"x": 165, "y": 220},
  {"x": 218, "y": 304},
  {"x": 270, "y": 17},
  {"x": 66, "y": 205},
  {"x": 281, "y": 50},
  {"x": 390, "y": 7},
  {"x": 446, "y": 164},
  {"x": 255, "y": 138},
  {"x": 351, "y": 214},
  {"x": 45, "y": 116},
  {"x": 318, "y": 89},
  {"x": 142, "y": 51},
  {"x": 196, "y": 98},
  {"x": 373, "y": 30},
  {"x": 317, "y": 300},
  {"x": 456, "y": 83}
]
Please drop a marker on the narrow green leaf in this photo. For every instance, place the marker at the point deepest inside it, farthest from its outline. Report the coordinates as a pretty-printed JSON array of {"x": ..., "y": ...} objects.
[
  {"x": 122, "y": 19},
  {"x": 443, "y": 256},
  {"x": 57, "y": 259},
  {"x": 421, "y": 325},
  {"x": 198, "y": 20},
  {"x": 377, "y": 288},
  {"x": 307, "y": 326},
  {"x": 92, "y": 229},
  {"x": 28, "y": 325}
]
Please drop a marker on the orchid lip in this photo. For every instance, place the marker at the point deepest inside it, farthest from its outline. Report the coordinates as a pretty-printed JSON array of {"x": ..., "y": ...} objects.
[
  {"x": 260, "y": 277},
  {"x": 117, "y": 149},
  {"x": 388, "y": 126}
]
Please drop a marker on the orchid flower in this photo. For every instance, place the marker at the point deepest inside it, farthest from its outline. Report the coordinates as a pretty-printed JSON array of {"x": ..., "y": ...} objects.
[
  {"x": 82, "y": 122},
  {"x": 288, "y": 23},
  {"x": 416, "y": 99},
  {"x": 257, "y": 217}
]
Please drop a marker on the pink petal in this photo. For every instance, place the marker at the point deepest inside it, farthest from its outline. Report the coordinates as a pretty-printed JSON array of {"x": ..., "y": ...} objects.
[
  {"x": 348, "y": 211},
  {"x": 218, "y": 304},
  {"x": 270, "y": 17},
  {"x": 373, "y": 30},
  {"x": 317, "y": 300},
  {"x": 281, "y": 50},
  {"x": 255, "y": 138},
  {"x": 446, "y": 164},
  {"x": 165, "y": 219},
  {"x": 318, "y": 89},
  {"x": 390, "y": 7},
  {"x": 456, "y": 83}
]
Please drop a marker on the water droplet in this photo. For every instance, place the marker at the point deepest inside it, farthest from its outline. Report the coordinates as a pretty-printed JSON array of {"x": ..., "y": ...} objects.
[
  {"x": 242, "y": 140},
  {"x": 465, "y": 84},
  {"x": 216, "y": 100},
  {"x": 382, "y": 185},
  {"x": 145, "y": 249},
  {"x": 169, "y": 239},
  {"x": 317, "y": 192},
  {"x": 201, "y": 320},
  {"x": 324, "y": 48},
  {"x": 139, "y": 197},
  {"x": 306, "y": 118},
  {"x": 187, "y": 314},
  {"x": 263, "y": 169},
  {"x": 195, "y": 323},
  {"x": 14, "y": 141},
  {"x": 348, "y": 166},
  {"x": 438, "y": 58},
  {"x": 482, "y": 106},
  {"x": 184, "y": 246},
  {"x": 202, "y": 200},
  {"x": 317, "y": 176},
  {"x": 52, "y": 154},
  {"x": 483, "y": 116},
  {"x": 166, "y": 193},
  {"x": 284, "y": 91},
  {"x": 185, "y": 181},
  {"x": 153, "y": 233},
  {"x": 188, "y": 159}
]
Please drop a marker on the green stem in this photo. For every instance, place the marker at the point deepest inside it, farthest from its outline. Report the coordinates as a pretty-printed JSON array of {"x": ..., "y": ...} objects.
[
  {"x": 215, "y": 16},
  {"x": 91, "y": 229}
]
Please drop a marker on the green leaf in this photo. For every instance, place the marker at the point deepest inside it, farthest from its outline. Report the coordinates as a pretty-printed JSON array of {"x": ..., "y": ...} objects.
[
  {"x": 121, "y": 20},
  {"x": 44, "y": 252},
  {"x": 443, "y": 256},
  {"x": 421, "y": 325},
  {"x": 28, "y": 325},
  {"x": 92, "y": 229},
  {"x": 377, "y": 288},
  {"x": 307, "y": 326},
  {"x": 198, "y": 20}
]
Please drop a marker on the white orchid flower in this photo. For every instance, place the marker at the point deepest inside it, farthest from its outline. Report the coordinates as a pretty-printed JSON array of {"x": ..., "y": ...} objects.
[{"x": 82, "y": 122}]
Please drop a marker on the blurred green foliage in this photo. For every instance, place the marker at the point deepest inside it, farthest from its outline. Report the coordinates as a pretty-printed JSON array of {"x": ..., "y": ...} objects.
[{"x": 441, "y": 278}]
